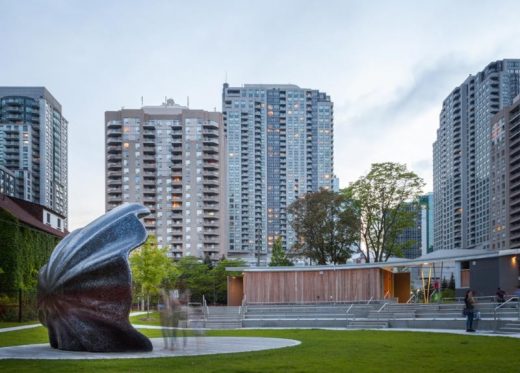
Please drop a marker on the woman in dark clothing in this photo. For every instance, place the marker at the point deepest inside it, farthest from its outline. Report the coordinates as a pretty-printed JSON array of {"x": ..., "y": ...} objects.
[{"x": 469, "y": 302}]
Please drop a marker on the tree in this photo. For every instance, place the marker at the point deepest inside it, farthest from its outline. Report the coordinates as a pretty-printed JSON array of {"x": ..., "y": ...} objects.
[
  {"x": 451, "y": 284},
  {"x": 327, "y": 226},
  {"x": 383, "y": 199},
  {"x": 195, "y": 277},
  {"x": 150, "y": 265},
  {"x": 278, "y": 255},
  {"x": 220, "y": 275}
]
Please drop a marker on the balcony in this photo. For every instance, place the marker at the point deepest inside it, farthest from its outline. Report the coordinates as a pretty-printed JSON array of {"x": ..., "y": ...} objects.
[{"x": 114, "y": 174}]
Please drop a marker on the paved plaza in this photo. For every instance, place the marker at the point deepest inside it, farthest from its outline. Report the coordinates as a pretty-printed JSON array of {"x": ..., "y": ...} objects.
[{"x": 193, "y": 346}]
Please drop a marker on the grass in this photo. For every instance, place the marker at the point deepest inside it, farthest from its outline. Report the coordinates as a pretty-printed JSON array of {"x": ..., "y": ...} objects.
[
  {"x": 152, "y": 319},
  {"x": 8, "y": 324},
  {"x": 320, "y": 351}
]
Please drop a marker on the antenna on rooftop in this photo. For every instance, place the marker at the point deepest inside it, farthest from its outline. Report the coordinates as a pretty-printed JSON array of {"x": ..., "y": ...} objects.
[
  {"x": 142, "y": 101},
  {"x": 188, "y": 101}
]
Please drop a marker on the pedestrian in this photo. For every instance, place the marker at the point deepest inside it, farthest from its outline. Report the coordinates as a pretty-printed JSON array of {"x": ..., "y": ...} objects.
[
  {"x": 500, "y": 295},
  {"x": 469, "y": 310}
]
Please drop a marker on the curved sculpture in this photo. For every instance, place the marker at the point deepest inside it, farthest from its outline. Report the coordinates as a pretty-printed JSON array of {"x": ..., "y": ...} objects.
[{"x": 84, "y": 291}]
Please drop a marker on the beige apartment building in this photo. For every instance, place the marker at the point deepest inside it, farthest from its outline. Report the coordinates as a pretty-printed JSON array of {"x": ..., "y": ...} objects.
[{"x": 172, "y": 160}]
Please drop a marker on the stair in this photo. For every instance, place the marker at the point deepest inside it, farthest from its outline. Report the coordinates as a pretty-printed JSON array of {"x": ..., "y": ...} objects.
[
  {"x": 367, "y": 324},
  {"x": 510, "y": 327},
  {"x": 223, "y": 318}
]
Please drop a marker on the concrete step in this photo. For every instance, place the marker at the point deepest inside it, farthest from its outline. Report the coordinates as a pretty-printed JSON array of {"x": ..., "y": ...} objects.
[
  {"x": 217, "y": 325},
  {"x": 510, "y": 327},
  {"x": 296, "y": 316},
  {"x": 390, "y": 315},
  {"x": 365, "y": 324},
  {"x": 294, "y": 323}
]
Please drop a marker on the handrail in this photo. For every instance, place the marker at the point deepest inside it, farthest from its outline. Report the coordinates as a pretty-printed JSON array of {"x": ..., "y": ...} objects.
[
  {"x": 243, "y": 308},
  {"x": 410, "y": 299},
  {"x": 504, "y": 303},
  {"x": 205, "y": 309},
  {"x": 386, "y": 294},
  {"x": 370, "y": 300},
  {"x": 384, "y": 305},
  {"x": 495, "y": 313},
  {"x": 348, "y": 310}
]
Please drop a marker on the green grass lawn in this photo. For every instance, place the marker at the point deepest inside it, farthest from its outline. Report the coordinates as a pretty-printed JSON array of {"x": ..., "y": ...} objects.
[
  {"x": 147, "y": 319},
  {"x": 320, "y": 351},
  {"x": 8, "y": 324}
]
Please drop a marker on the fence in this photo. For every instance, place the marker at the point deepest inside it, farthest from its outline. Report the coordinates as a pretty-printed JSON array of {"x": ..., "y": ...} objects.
[{"x": 18, "y": 306}]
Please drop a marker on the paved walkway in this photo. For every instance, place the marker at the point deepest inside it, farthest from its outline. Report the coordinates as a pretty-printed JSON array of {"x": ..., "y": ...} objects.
[
  {"x": 30, "y": 326},
  {"x": 193, "y": 346},
  {"x": 22, "y": 327}
]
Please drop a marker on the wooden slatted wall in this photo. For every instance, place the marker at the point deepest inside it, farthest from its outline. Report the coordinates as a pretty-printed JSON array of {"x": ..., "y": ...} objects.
[{"x": 314, "y": 286}]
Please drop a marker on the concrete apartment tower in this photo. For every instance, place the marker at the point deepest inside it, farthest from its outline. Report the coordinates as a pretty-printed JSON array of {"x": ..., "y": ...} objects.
[
  {"x": 33, "y": 148},
  {"x": 280, "y": 146},
  {"x": 171, "y": 159},
  {"x": 462, "y": 154},
  {"x": 505, "y": 178}
]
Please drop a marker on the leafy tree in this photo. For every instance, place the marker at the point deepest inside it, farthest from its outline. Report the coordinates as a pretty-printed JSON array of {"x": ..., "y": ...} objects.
[
  {"x": 383, "y": 199},
  {"x": 278, "y": 255},
  {"x": 150, "y": 267},
  {"x": 219, "y": 276},
  {"x": 327, "y": 226},
  {"x": 194, "y": 276}
]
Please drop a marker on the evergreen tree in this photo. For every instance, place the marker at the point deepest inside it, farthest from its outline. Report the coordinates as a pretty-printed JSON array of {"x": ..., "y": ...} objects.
[{"x": 451, "y": 285}]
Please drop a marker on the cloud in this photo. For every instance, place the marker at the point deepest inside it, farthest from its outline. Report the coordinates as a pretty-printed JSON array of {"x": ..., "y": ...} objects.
[{"x": 398, "y": 126}]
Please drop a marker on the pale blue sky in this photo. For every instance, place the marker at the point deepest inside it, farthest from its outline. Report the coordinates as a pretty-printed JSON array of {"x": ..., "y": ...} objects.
[{"x": 386, "y": 64}]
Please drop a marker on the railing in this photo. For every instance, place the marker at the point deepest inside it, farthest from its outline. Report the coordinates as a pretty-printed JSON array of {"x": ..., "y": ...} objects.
[
  {"x": 205, "y": 309},
  {"x": 381, "y": 309},
  {"x": 495, "y": 311},
  {"x": 243, "y": 309},
  {"x": 483, "y": 299},
  {"x": 412, "y": 297},
  {"x": 348, "y": 311},
  {"x": 321, "y": 302},
  {"x": 387, "y": 294}
]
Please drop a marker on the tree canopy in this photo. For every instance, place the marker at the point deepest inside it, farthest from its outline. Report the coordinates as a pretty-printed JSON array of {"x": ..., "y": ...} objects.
[
  {"x": 326, "y": 226},
  {"x": 382, "y": 199},
  {"x": 150, "y": 267},
  {"x": 278, "y": 255}
]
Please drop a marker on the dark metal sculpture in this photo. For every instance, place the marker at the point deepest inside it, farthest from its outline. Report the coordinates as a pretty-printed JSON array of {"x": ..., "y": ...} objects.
[{"x": 84, "y": 291}]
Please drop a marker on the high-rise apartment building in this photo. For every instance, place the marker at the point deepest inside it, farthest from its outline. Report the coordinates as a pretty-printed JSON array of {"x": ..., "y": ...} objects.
[
  {"x": 504, "y": 208},
  {"x": 419, "y": 237},
  {"x": 171, "y": 159},
  {"x": 461, "y": 155},
  {"x": 280, "y": 146},
  {"x": 33, "y": 146},
  {"x": 426, "y": 202}
]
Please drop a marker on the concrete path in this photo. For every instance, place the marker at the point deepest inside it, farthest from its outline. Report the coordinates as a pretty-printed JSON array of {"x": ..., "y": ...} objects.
[
  {"x": 30, "y": 326},
  {"x": 194, "y": 346},
  {"x": 22, "y": 327}
]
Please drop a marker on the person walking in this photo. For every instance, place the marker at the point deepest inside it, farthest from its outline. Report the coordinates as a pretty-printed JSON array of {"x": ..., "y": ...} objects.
[
  {"x": 500, "y": 295},
  {"x": 469, "y": 302}
]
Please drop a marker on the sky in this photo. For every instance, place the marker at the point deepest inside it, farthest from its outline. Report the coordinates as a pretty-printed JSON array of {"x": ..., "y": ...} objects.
[{"x": 386, "y": 65}]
